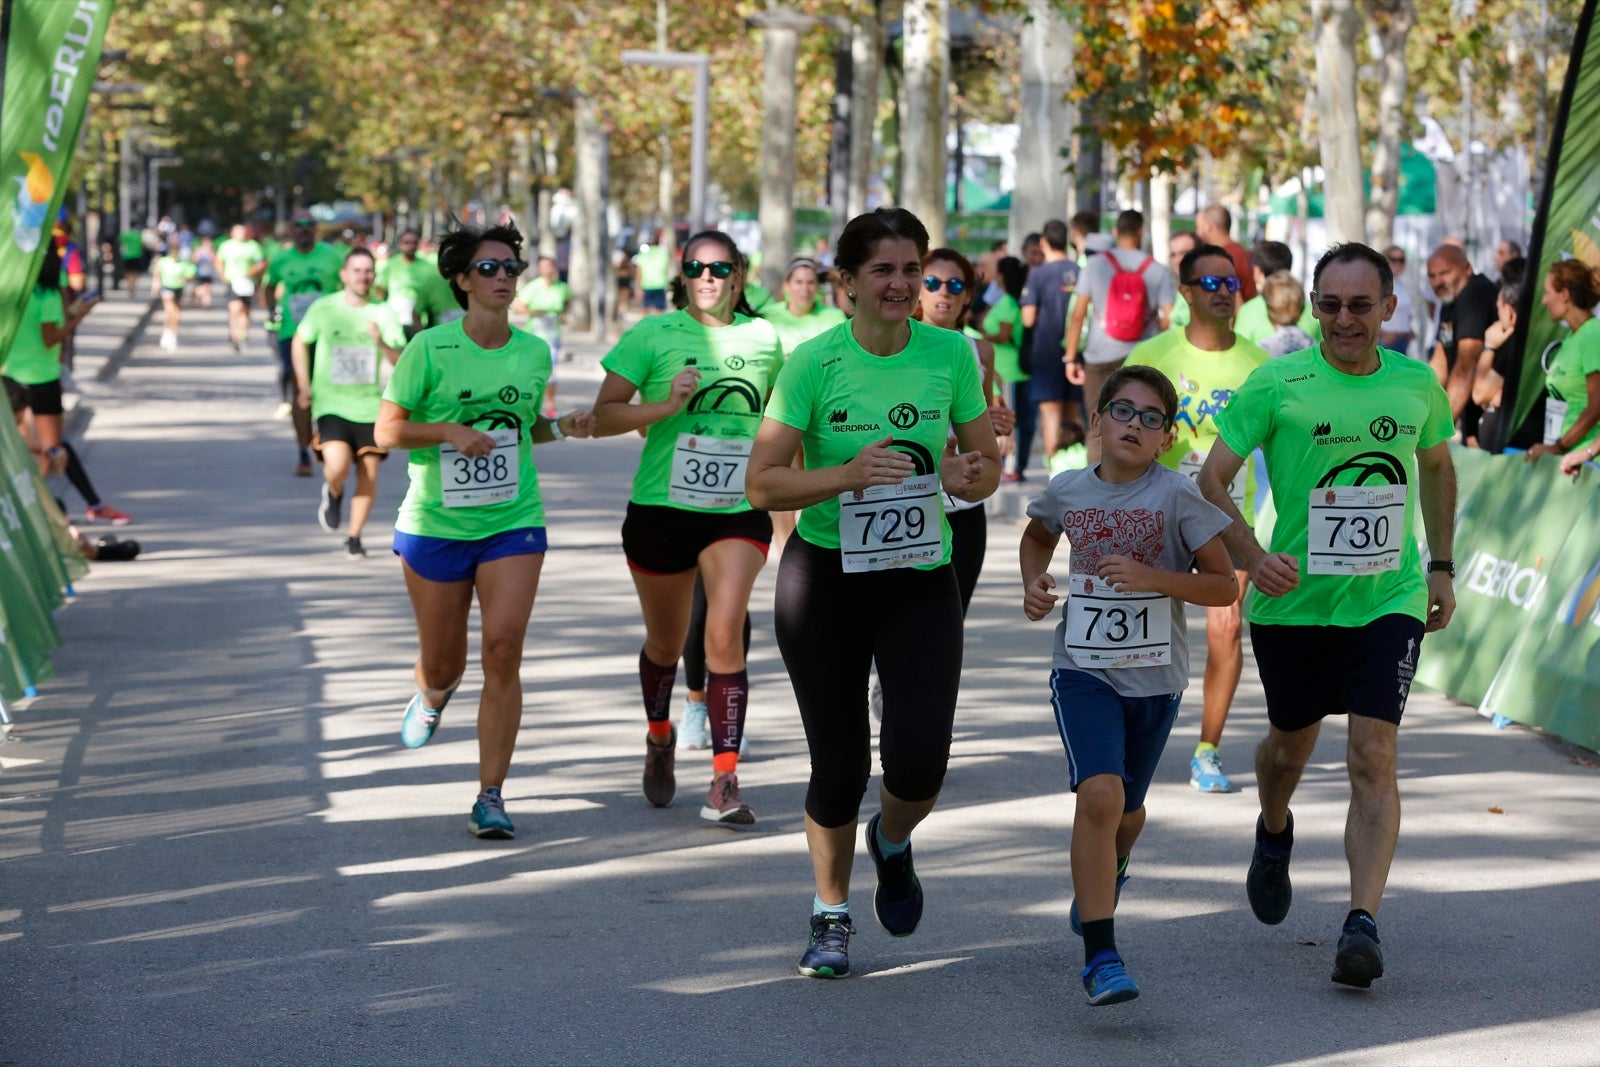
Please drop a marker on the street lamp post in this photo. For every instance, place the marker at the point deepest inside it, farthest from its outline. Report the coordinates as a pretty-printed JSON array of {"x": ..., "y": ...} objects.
[{"x": 701, "y": 63}]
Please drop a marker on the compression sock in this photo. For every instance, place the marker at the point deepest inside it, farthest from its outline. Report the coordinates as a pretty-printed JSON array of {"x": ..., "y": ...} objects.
[
  {"x": 887, "y": 848},
  {"x": 726, "y": 695},
  {"x": 1099, "y": 936},
  {"x": 78, "y": 476},
  {"x": 656, "y": 682}
]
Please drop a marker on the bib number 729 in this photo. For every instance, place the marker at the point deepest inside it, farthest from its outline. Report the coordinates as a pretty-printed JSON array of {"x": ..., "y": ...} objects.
[{"x": 891, "y": 526}]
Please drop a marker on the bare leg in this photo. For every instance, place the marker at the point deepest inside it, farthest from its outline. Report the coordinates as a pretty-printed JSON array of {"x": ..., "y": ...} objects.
[
  {"x": 1373, "y": 824},
  {"x": 1050, "y": 428},
  {"x": 366, "y": 490},
  {"x": 1224, "y": 665},
  {"x": 1280, "y": 758},
  {"x": 506, "y": 589},
  {"x": 1096, "y": 844},
  {"x": 441, "y": 610},
  {"x": 832, "y": 854}
]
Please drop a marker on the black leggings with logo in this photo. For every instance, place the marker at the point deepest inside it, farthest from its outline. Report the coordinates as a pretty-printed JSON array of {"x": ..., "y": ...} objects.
[{"x": 831, "y": 627}]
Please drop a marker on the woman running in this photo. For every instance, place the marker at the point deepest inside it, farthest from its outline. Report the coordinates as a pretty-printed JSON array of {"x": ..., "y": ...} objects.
[
  {"x": 464, "y": 399},
  {"x": 867, "y": 576},
  {"x": 703, "y": 374},
  {"x": 168, "y": 277},
  {"x": 800, "y": 315}
]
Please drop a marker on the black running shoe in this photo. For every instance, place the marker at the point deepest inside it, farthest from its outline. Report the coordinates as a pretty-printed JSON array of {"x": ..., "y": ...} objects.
[
  {"x": 328, "y": 508},
  {"x": 1359, "y": 959},
  {"x": 897, "y": 902},
  {"x": 353, "y": 549},
  {"x": 1268, "y": 881}
]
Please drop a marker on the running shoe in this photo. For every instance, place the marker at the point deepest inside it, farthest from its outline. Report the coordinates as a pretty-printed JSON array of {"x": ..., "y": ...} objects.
[
  {"x": 660, "y": 763},
  {"x": 419, "y": 723},
  {"x": 109, "y": 514},
  {"x": 1267, "y": 884},
  {"x": 897, "y": 902},
  {"x": 329, "y": 507},
  {"x": 724, "y": 805},
  {"x": 1072, "y": 912},
  {"x": 694, "y": 729},
  {"x": 827, "y": 953},
  {"x": 353, "y": 549},
  {"x": 302, "y": 469},
  {"x": 1359, "y": 959},
  {"x": 283, "y": 411},
  {"x": 1106, "y": 981},
  {"x": 489, "y": 819},
  {"x": 1013, "y": 476},
  {"x": 1205, "y": 772}
]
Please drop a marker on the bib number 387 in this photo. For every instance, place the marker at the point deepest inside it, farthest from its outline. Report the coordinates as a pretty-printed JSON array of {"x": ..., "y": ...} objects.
[
  {"x": 474, "y": 481},
  {"x": 892, "y": 526},
  {"x": 1111, "y": 630},
  {"x": 708, "y": 472},
  {"x": 1355, "y": 529}
]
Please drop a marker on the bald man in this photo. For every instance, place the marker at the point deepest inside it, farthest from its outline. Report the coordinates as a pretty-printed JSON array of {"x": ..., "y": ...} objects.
[
  {"x": 1467, "y": 309},
  {"x": 1214, "y": 226}
]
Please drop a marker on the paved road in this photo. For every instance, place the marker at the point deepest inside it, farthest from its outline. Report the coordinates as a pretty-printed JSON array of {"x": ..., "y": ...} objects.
[{"x": 212, "y": 849}]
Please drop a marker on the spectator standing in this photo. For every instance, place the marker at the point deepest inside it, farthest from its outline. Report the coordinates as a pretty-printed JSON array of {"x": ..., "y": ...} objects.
[
  {"x": 1466, "y": 310},
  {"x": 1046, "y": 295},
  {"x": 1214, "y": 226}
]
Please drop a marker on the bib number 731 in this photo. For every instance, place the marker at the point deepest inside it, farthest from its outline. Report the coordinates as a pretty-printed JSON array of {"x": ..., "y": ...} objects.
[{"x": 1111, "y": 630}]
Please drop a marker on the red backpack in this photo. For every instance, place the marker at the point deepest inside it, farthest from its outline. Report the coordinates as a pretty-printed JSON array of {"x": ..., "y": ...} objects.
[{"x": 1127, "y": 304}]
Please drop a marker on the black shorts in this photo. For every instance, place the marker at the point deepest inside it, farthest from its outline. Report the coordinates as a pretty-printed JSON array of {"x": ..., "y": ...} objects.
[
  {"x": 658, "y": 539},
  {"x": 358, "y": 435},
  {"x": 16, "y": 394},
  {"x": 1311, "y": 672},
  {"x": 176, "y": 294},
  {"x": 45, "y": 398}
]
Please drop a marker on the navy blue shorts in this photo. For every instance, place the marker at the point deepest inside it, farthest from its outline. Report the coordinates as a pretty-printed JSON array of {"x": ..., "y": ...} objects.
[
  {"x": 653, "y": 299},
  {"x": 1311, "y": 672},
  {"x": 441, "y": 559},
  {"x": 1106, "y": 733}
]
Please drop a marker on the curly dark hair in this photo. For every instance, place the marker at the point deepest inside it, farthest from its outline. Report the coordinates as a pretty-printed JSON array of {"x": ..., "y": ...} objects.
[{"x": 460, "y": 247}]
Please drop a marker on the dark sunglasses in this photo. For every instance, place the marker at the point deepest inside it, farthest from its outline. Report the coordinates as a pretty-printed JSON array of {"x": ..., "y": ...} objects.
[
  {"x": 1331, "y": 306},
  {"x": 488, "y": 268},
  {"x": 1212, "y": 282},
  {"x": 720, "y": 269},
  {"x": 1397, "y": 259},
  {"x": 1123, "y": 411},
  {"x": 955, "y": 286}
]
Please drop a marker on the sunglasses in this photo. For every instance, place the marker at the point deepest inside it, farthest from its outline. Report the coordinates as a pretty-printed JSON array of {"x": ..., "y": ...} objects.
[
  {"x": 1396, "y": 259},
  {"x": 1123, "y": 411},
  {"x": 720, "y": 269},
  {"x": 1332, "y": 306},
  {"x": 954, "y": 286},
  {"x": 1212, "y": 282},
  {"x": 488, "y": 268}
]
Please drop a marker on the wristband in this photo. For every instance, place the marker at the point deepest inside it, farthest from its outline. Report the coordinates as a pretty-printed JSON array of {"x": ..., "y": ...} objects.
[
  {"x": 556, "y": 433},
  {"x": 1448, "y": 566}
]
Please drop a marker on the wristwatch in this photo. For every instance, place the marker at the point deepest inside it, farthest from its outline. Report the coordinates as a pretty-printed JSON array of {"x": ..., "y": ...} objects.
[
  {"x": 1446, "y": 565},
  {"x": 556, "y": 433}
]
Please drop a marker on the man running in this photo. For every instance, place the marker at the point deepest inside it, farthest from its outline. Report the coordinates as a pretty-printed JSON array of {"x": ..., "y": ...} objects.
[
  {"x": 1207, "y": 361},
  {"x": 298, "y": 276},
  {"x": 242, "y": 262},
  {"x": 343, "y": 392},
  {"x": 402, "y": 281},
  {"x": 1356, "y": 441}
]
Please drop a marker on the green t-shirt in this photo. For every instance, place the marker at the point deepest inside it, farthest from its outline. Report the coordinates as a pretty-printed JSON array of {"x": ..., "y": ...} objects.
[
  {"x": 436, "y": 301},
  {"x": 238, "y": 258},
  {"x": 843, "y": 398},
  {"x": 1324, "y": 430},
  {"x": 131, "y": 243},
  {"x": 653, "y": 267},
  {"x": 1567, "y": 381},
  {"x": 759, "y": 298},
  {"x": 794, "y": 329},
  {"x": 545, "y": 301},
  {"x": 403, "y": 282},
  {"x": 443, "y": 376},
  {"x": 30, "y": 361},
  {"x": 1205, "y": 381},
  {"x": 1007, "y": 358},
  {"x": 173, "y": 272},
  {"x": 1253, "y": 324},
  {"x": 344, "y": 376},
  {"x": 1180, "y": 312},
  {"x": 304, "y": 277},
  {"x": 683, "y": 466}
]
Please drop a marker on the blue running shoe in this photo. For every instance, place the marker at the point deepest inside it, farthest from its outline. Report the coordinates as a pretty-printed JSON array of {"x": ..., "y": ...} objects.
[
  {"x": 694, "y": 729},
  {"x": 1072, "y": 913},
  {"x": 421, "y": 721},
  {"x": 1359, "y": 959},
  {"x": 1106, "y": 981},
  {"x": 1205, "y": 772},
  {"x": 1267, "y": 883},
  {"x": 489, "y": 819},
  {"x": 827, "y": 954},
  {"x": 897, "y": 902}
]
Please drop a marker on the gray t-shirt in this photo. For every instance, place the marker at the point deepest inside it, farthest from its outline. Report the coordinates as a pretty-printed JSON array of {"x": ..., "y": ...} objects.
[
  {"x": 1160, "y": 290},
  {"x": 1159, "y": 519}
]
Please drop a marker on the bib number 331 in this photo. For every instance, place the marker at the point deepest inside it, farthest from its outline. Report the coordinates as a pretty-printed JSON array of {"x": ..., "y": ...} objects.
[
  {"x": 1355, "y": 529},
  {"x": 892, "y": 526},
  {"x": 1111, "y": 630},
  {"x": 474, "y": 481}
]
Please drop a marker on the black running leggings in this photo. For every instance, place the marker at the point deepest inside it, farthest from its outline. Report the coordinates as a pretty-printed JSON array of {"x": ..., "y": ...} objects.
[
  {"x": 969, "y": 540},
  {"x": 694, "y": 646},
  {"x": 831, "y": 627}
]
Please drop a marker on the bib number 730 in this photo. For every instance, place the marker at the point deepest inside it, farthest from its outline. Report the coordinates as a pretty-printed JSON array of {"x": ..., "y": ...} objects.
[{"x": 1355, "y": 529}]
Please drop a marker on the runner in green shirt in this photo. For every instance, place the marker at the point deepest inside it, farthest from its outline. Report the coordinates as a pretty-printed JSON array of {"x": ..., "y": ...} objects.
[
  {"x": 464, "y": 399},
  {"x": 800, "y": 316},
  {"x": 169, "y": 275},
  {"x": 702, "y": 375},
  {"x": 243, "y": 261},
  {"x": 541, "y": 302},
  {"x": 343, "y": 390},
  {"x": 1207, "y": 361},
  {"x": 1357, "y": 443},
  {"x": 402, "y": 279},
  {"x": 1572, "y": 408},
  {"x": 653, "y": 275},
  {"x": 296, "y": 277}
]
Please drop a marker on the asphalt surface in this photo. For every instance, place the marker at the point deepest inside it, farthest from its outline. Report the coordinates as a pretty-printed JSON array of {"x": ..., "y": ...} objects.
[{"x": 214, "y": 850}]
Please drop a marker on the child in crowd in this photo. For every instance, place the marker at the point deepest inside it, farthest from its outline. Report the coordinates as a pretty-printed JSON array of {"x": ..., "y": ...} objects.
[
  {"x": 1286, "y": 302},
  {"x": 1121, "y": 657}
]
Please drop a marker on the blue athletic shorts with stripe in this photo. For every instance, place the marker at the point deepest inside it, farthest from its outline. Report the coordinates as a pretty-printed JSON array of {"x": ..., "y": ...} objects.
[
  {"x": 1106, "y": 733},
  {"x": 440, "y": 559}
]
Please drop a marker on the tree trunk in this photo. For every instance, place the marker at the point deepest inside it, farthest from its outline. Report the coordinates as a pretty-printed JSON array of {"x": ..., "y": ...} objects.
[
  {"x": 841, "y": 149},
  {"x": 587, "y": 227},
  {"x": 1045, "y": 122},
  {"x": 781, "y": 32},
  {"x": 547, "y": 189},
  {"x": 927, "y": 64},
  {"x": 667, "y": 180},
  {"x": 1393, "y": 19},
  {"x": 1338, "y": 127},
  {"x": 1158, "y": 224},
  {"x": 866, "y": 67}
]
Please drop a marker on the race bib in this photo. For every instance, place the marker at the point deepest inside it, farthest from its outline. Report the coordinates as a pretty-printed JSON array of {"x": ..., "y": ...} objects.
[
  {"x": 1555, "y": 418},
  {"x": 1108, "y": 630},
  {"x": 474, "y": 481},
  {"x": 243, "y": 287},
  {"x": 1189, "y": 466},
  {"x": 1355, "y": 529},
  {"x": 352, "y": 365},
  {"x": 546, "y": 327},
  {"x": 708, "y": 472},
  {"x": 892, "y": 526},
  {"x": 404, "y": 308},
  {"x": 300, "y": 303}
]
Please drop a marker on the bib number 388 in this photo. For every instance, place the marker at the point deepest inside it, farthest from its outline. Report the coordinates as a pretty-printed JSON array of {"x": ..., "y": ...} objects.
[
  {"x": 1111, "y": 630},
  {"x": 1355, "y": 529},
  {"x": 892, "y": 526},
  {"x": 474, "y": 481}
]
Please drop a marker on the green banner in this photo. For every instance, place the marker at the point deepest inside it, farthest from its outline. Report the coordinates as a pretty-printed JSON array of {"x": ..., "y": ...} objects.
[{"x": 1568, "y": 223}]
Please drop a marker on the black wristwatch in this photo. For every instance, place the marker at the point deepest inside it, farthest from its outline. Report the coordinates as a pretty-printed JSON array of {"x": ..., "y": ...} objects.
[{"x": 1446, "y": 565}]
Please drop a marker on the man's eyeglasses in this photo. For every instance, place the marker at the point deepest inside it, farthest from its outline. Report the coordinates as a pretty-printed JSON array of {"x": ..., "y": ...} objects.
[
  {"x": 1212, "y": 282},
  {"x": 1398, "y": 261},
  {"x": 1331, "y": 306},
  {"x": 1123, "y": 411},
  {"x": 720, "y": 269},
  {"x": 954, "y": 286},
  {"x": 488, "y": 268}
]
